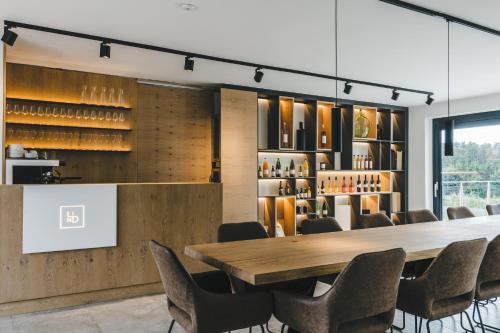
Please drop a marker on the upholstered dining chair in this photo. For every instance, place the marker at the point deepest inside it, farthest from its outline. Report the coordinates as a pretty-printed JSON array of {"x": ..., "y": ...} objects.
[
  {"x": 420, "y": 216},
  {"x": 320, "y": 225},
  {"x": 374, "y": 221},
  {"x": 203, "y": 303},
  {"x": 456, "y": 213},
  {"x": 443, "y": 290},
  {"x": 362, "y": 298},
  {"x": 493, "y": 209},
  {"x": 488, "y": 282}
]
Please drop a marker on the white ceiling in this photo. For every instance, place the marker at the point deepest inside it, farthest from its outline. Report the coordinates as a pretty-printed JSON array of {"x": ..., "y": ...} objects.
[{"x": 377, "y": 42}]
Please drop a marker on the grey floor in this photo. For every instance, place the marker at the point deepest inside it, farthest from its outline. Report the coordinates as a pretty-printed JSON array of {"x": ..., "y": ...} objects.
[{"x": 149, "y": 314}]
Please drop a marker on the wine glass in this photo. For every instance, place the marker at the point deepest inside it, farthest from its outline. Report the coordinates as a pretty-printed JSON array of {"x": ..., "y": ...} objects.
[
  {"x": 24, "y": 110},
  {"x": 121, "y": 98},
  {"x": 39, "y": 111},
  {"x": 47, "y": 111},
  {"x": 115, "y": 116},
  {"x": 78, "y": 114},
  {"x": 8, "y": 108},
  {"x": 111, "y": 98},
  {"x": 32, "y": 111},
  {"x": 55, "y": 112},
  {"x": 100, "y": 116},
  {"x": 93, "y": 95},
  {"x": 93, "y": 115},
  {"x": 86, "y": 114},
  {"x": 83, "y": 96},
  {"x": 122, "y": 117},
  {"x": 108, "y": 116},
  {"x": 70, "y": 113},
  {"x": 16, "y": 109},
  {"x": 102, "y": 100}
]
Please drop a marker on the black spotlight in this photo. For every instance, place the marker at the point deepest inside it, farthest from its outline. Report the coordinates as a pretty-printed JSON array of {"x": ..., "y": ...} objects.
[
  {"x": 188, "y": 63},
  {"x": 429, "y": 100},
  {"x": 105, "y": 50},
  {"x": 395, "y": 95},
  {"x": 347, "y": 88},
  {"x": 9, "y": 37},
  {"x": 259, "y": 74},
  {"x": 449, "y": 125}
]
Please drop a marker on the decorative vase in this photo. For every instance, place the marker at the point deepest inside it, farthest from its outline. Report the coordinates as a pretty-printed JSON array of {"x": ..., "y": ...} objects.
[{"x": 361, "y": 125}]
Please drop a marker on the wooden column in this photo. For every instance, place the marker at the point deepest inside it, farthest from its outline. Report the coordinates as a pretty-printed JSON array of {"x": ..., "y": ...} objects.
[{"x": 239, "y": 155}]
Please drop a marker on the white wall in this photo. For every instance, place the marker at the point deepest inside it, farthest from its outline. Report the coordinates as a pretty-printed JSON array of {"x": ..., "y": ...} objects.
[{"x": 420, "y": 142}]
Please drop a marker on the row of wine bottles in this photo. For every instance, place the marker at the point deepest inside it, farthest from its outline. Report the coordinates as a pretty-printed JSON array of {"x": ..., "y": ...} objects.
[
  {"x": 362, "y": 162},
  {"x": 321, "y": 209},
  {"x": 285, "y": 141},
  {"x": 344, "y": 186},
  {"x": 277, "y": 171}
]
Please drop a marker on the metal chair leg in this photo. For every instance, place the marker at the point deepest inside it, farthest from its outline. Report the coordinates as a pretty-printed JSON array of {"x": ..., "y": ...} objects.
[
  {"x": 484, "y": 327},
  {"x": 250, "y": 330},
  {"x": 428, "y": 327},
  {"x": 470, "y": 322},
  {"x": 404, "y": 323},
  {"x": 420, "y": 326},
  {"x": 262, "y": 328},
  {"x": 283, "y": 328},
  {"x": 267, "y": 328},
  {"x": 171, "y": 325}
]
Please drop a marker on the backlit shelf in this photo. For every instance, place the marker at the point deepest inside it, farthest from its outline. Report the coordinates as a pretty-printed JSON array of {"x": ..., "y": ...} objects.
[
  {"x": 69, "y": 125},
  {"x": 91, "y": 149},
  {"x": 336, "y": 194},
  {"x": 82, "y": 105}
]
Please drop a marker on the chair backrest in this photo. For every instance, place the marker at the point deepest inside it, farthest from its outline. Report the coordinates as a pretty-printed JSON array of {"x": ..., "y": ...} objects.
[
  {"x": 177, "y": 282},
  {"x": 490, "y": 269},
  {"x": 374, "y": 221},
  {"x": 420, "y": 216},
  {"x": 367, "y": 287},
  {"x": 455, "y": 213},
  {"x": 454, "y": 271},
  {"x": 321, "y": 225},
  {"x": 493, "y": 209},
  {"x": 231, "y": 232}
]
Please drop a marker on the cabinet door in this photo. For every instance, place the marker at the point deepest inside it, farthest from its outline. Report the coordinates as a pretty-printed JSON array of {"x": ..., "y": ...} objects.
[{"x": 239, "y": 155}]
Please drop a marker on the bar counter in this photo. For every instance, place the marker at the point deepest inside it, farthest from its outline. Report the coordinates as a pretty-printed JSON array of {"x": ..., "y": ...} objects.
[{"x": 175, "y": 214}]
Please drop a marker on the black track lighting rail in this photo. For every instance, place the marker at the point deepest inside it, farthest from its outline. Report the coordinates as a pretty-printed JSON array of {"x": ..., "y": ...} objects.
[
  {"x": 450, "y": 18},
  {"x": 107, "y": 40}
]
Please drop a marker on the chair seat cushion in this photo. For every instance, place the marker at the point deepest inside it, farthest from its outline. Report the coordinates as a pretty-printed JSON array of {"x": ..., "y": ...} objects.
[
  {"x": 488, "y": 290},
  {"x": 375, "y": 324}
]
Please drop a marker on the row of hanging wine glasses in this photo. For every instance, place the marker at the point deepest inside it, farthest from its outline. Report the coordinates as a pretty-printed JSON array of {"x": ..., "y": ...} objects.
[
  {"x": 103, "y": 96},
  {"x": 64, "y": 112}
]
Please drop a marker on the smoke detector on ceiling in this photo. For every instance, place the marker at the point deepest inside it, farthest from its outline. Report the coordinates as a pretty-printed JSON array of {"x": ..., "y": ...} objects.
[{"x": 188, "y": 7}]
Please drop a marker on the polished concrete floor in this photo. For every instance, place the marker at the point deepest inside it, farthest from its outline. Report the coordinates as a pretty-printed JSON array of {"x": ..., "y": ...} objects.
[{"x": 149, "y": 315}]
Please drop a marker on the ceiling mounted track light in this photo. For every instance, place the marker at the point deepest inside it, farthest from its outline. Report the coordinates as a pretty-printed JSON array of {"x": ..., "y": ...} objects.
[
  {"x": 347, "y": 88},
  {"x": 429, "y": 100},
  {"x": 188, "y": 63},
  {"x": 395, "y": 95},
  {"x": 259, "y": 74},
  {"x": 9, "y": 37},
  {"x": 260, "y": 67},
  {"x": 105, "y": 50}
]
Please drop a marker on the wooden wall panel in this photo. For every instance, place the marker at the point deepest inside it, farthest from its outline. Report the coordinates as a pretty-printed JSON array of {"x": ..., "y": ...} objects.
[
  {"x": 174, "y": 134},
  {"x": 239, "y": 155},
  {"x": 173, "y": 214}
]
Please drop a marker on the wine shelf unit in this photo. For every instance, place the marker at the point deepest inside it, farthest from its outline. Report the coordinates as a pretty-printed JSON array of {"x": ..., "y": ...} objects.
[
  {"x": 385, "y": 143},
  {"x": 65, "y": 104}
]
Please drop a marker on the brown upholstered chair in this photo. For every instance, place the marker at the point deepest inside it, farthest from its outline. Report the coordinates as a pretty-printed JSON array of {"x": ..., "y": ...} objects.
[
  {"x": 362, "y": 299},
  {"x": 420, "y": 216},
  {"x": 319, "y": 226},
  {"x": 201, "y": 310},
  {"x": 374, "y": 221},
  {"x": 493, "y": 209},
  {"x": 488, "y": 281},
  {"x": 456, "y": 213},
  {"x": 229, "y": 232},
  {"x": 447, "y": 287}
]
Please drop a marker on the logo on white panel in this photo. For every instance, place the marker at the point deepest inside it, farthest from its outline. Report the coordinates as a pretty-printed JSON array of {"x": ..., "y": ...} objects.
[{"x": 71, "y": 217}]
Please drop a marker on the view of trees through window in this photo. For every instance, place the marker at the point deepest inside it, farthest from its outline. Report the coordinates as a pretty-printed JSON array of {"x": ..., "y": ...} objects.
[{"x": 472, "y": 176}]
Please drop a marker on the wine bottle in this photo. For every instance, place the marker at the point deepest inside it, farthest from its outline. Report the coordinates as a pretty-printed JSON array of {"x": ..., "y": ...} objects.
[
  {"x": 322, "y": 190},
  {"x": 358, "y": 184},
  {"x": 372, "y": 185},
  {"x": 299, "y": 172},
  {"x": 287, "y": 172},
  {"x": 297, "y": 193},
  {"x": 323, "y": 136},
  {"x": 301, "y": 137},
  {"x": 344, "y": 186},
  {"x": 370, "y": 163},
  {"x": 288, "y": 189},
  {"x": 351, "y": 186},
  {"x": 309, "y": 193},
  {"x": 366, "y": 163},
  {"x": 335, "y": 185},
  {"x": 280, "y": 190},
  {"x": 278, "y": 168},
  {"x": 365, "y": 185},
  {"x": 261, "y": 174},
  {"x": 329, "y": 186},
  {"x": 265, "y": 168},
  {"x": 284, "y": 136},
  {"x": 273, "y": 172},
  {"x": 318, "y": 209},
  {"x": 305, "y": 168},
  {"x": 379, "y": 185},
  {"x": 292, "y": 168},
  {"x": 354, "y": 162},
  {"x": 325, "y": 209},
  {"x": 361, "y": 162}
]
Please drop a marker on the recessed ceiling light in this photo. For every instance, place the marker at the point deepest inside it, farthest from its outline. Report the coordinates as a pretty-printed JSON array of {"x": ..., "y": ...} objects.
[{"x": 188, "y": 7}]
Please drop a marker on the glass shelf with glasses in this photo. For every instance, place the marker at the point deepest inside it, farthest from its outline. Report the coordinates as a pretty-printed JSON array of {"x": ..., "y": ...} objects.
[{"x": 74, "y": 104}]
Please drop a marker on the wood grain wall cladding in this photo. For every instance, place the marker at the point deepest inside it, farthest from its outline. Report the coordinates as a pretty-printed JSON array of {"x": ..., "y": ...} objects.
[
  {"x": 239, "y": 154},
  {"x": 173, "y": 214},
  {"x": 174, "y": 134}
]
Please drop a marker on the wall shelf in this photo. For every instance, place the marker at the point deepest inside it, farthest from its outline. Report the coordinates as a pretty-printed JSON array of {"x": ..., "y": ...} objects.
[
  {"x": 81, "y": 105},
  {"x": 67, "y": 126}
]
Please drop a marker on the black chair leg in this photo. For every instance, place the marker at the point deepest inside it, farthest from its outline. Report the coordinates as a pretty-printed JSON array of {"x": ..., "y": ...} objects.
[
  {"x": 484, "y": 327},
  {"x": 262, "y": 328},
  {"x": 283, "y": 328},
  {"x": 171, "y": 325},
  {"x": 420, "y": 326},
  {"x": 249, "y": 330},
  {"x": 470, "y": 322},
  {"x": 267, "y": 328},
  {"x": 404, "y": 323},
  {"x": 428, "y": 326}
]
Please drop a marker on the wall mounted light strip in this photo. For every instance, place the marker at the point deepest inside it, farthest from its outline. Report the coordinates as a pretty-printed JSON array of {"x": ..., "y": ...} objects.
[
  {"x": 12, "y": 24},
  {"x": 444, "y": 16}
]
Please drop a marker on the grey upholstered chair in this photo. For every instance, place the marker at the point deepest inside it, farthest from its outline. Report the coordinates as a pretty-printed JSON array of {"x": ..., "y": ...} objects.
[
  {"x": 362, "y": 298},
  {"x": 488, "y": 281},
  {"x": 493, "y": 209},
  {"x": 321, "y": 225},
  {"x": 420, "y": 216},
  {"x": 456, "y": 213},
  {"x": 374, "y": 221},
  {"x": 447, "y": 287},
  {"x": 195, "y": 306}
]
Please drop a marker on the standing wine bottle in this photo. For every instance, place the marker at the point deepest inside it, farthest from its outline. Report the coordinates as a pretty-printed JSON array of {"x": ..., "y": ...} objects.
[
  {"x": 344, "y": 186},
  {"x": 273, "y": 172},
  {"x": 301, "y": 137},
  {"x": 370, "y": 162},
  {"x": 365, "y": 185},
  {"x": 284, "y": 136},
  {"x": 287, "y": 172},
  {"x": 358, "y": 184},
  {"x": 299, "y": 172},
  {"x": 288, "y": 189},
  {"x": 367, "y": 164},
  {"x": 335, "y": 185},
  {"x": 379, "y": 185},
  {"x": 305, "y": 168},
  {"x": 329, "y": 186},
  {"x": 260, "y": 172},
  {"x": 292, "y": 168},
  {"x": 354, "y": 162},
  {"x": 265, "y": 168},
  {"x": 322, "y": 190},
  {"x": 281, "y": 190},
  {"x": 278, "y": 168},
  {"x": 323, "y": 136},
  {"x": 325, "y": 209},
  {"x": 351, "y": 185},
  {"x": 372, "y": 185}
]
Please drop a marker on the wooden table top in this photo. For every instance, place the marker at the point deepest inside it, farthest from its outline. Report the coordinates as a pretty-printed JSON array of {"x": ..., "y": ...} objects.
[{"x": 270, "y": 260}]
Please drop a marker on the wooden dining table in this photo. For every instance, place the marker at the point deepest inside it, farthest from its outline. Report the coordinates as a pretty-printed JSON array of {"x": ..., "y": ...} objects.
[{"x": 263, "y": 261}]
